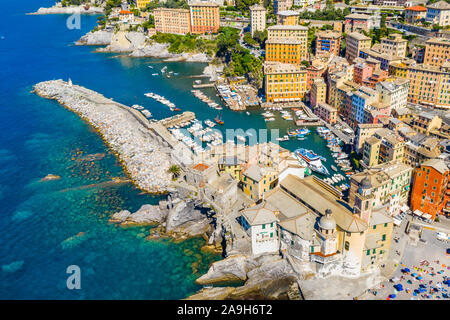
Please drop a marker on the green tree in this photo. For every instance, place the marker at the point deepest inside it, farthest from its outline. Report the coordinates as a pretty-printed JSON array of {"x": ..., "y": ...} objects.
[{"x": 175, "y": 171}]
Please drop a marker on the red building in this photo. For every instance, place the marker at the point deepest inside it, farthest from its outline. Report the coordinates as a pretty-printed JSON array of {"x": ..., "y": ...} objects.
[{"x": 430, "y": 192}]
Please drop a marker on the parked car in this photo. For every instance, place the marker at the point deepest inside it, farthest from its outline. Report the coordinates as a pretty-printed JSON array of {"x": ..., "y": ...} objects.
[{"x": 442, "y": 236}]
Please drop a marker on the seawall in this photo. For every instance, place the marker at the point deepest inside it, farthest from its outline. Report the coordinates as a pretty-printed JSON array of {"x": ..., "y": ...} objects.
[{"x": 125, "y": 131}]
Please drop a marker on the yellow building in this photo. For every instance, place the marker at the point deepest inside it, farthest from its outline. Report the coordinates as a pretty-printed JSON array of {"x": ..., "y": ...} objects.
[
  {"x": 288, "y": 33},
  {"x": 318, "y": 92},
  {"x": 230, "y": 165},
  {"x": 141, "y": 4},
  {"x": 371, "y": 151},
  {"x": 284, "y": 51},
  {"x": 284, "y": 82},
  {"x": 398, "y": 69},
  {"x": 258, "y": 179},
  {"x": 382, "y": 147},
  {"x": 287, "y": 17}
]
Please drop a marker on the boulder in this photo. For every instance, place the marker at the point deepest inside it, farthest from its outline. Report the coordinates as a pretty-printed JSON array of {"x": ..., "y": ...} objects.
[
  {"x": 124, "y": 41},
  {"x": 231, "y": 269},
  {"x": 217, "y": 293},
  {"x": 184, "y": 218},
  {"x": 120, "y": 216},
  {"x": 96, "y": 38},
  {"x": 146, "y": 215}
]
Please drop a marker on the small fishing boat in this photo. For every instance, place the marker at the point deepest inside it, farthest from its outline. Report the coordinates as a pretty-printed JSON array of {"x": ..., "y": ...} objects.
[
  {"x": 248, "y": 113},
  {"x": 334, "y": 168},
  {"x": 218, "y": 120}
]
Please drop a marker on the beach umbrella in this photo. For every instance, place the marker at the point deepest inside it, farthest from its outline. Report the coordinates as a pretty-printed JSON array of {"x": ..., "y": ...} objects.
[
  {"x": 398, "y": 287},
  {"x": 414, "y": 274},
  {"x": 392, "y": 296},
  {"x": 407, "y": 270}
]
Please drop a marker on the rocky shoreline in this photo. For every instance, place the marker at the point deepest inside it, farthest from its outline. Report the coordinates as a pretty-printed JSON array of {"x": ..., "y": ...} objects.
[
  {"x": 265, "y": 277},
  {"x": 122, "y": 128},
  {"x": 137, "y": 45},
  {"x": 68, "y": 10}
]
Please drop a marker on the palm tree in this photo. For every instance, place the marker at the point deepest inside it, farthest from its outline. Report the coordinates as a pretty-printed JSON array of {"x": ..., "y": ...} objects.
[{"x": 175, "y": 170}]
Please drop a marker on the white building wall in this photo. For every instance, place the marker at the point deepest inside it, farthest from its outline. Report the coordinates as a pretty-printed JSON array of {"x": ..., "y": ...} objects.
[{"x": 262, "y": 242}]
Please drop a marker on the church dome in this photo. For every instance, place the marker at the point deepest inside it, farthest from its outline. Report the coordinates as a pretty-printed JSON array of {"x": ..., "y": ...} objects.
[
  {"x": 327, "y": 222},
  {"x": 365, "y": 183}
]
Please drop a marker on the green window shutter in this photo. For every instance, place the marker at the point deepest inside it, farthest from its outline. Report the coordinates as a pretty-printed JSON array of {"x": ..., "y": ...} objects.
[
  {"x": 271, "y": 234},
  {"x": 368, "y": 252},
  {"x": 263, "y": 226},
  {"x": 384, "y": 237},
  {"x": 374, "y": 250}
]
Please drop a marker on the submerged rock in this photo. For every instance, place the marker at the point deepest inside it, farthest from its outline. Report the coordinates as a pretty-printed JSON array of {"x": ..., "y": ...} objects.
[
  {"x": 74, "y": 240},
  {"x": 50, "y": 177},
  {"x": 120, "y": 216},
  {"x": 13, "y": 266},
  {"x": 21, "y": 215}
]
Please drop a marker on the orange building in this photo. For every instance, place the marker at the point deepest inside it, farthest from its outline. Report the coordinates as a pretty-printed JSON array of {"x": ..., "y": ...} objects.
[
  {"x": 284, "y": 82},
  {"x": 437, "y": 52},
  {"x": 205, "y": 17},
  {"x": 328, "y": 42},
  {"x": 285, "y": 51},
  {"x": 172, "y": 20},
  {"x": 430, "y": 193}
]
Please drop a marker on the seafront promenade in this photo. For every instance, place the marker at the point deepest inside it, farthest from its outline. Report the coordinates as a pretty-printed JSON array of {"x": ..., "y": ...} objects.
[{"x": 128, "y": 133}]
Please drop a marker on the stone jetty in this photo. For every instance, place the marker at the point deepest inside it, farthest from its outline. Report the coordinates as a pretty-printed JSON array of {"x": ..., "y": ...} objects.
[{"x": 125, "y": 130}]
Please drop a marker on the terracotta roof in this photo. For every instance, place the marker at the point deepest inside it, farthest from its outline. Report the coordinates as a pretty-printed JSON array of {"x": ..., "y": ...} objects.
[
  {"x": 416, "y": 8},
  {"x": 200, "y": 167}
]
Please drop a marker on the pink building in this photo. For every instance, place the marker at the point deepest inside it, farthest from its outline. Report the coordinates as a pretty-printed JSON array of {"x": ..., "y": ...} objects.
[
  {"x": 326, "y": 112},
  {"x": 361, "y": 72}
]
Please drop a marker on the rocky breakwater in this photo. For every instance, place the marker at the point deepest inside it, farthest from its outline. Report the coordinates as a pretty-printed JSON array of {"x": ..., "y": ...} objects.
[
  {"x": 58, "y": 9},
  {"x": 177, "y": 219},
  {"x": 263, "y": 277},
  {"x": 122, "y": 128}
]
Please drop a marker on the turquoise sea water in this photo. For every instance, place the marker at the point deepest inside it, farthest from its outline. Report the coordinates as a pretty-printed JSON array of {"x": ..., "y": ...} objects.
[{"x": 39, "y": 137}]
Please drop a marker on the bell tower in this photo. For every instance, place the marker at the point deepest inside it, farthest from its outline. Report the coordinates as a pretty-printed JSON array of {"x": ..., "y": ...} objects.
[{"x": 364, "y": 200}]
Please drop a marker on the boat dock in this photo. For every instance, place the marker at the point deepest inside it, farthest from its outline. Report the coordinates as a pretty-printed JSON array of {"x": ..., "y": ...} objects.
[
  {"x": 203, "y": 85},
  {"x": 177, "y": 119},
  {"x": 347, "y": 139},
  {"x": 310, "y": 120}
]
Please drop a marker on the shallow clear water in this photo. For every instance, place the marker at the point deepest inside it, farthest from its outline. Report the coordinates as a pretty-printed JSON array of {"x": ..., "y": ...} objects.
[{"x": 39, "y": 137}]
